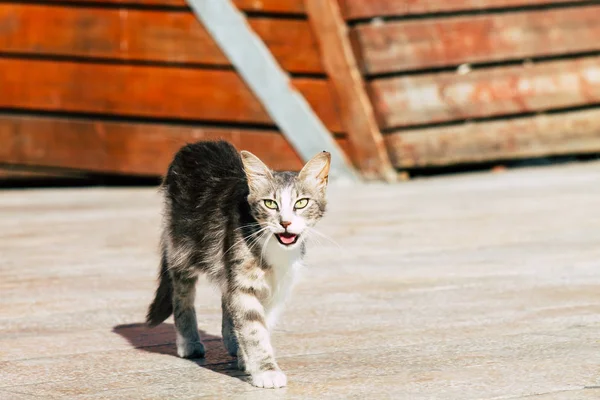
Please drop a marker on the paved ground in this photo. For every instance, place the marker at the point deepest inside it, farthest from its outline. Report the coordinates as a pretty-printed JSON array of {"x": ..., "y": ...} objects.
[{"x": 473, "y": 287}]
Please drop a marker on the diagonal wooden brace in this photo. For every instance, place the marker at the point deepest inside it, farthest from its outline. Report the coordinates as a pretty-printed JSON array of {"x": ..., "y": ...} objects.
[{"x": 270, "y": 84}]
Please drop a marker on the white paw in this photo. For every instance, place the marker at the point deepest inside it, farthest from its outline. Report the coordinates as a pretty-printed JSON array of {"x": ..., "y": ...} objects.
[
  {"x": 269, "y": 379},
  {"x": 190, "y": 350}
]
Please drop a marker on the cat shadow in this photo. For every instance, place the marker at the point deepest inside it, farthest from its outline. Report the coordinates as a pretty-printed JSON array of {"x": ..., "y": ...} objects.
[{"x": 161, "y": 340}]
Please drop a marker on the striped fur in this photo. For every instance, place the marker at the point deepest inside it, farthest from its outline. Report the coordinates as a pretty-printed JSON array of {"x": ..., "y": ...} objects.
[{"x": 231, "y": 218}]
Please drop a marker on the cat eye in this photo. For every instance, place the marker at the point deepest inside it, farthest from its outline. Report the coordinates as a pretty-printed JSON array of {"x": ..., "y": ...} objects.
[
  {"x": 300, "y": 204},
  {"x": 270, "y": 204}
]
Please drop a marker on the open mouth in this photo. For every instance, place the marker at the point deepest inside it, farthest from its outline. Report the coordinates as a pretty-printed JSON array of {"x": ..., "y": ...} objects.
[{"x": 286, "y": 239}]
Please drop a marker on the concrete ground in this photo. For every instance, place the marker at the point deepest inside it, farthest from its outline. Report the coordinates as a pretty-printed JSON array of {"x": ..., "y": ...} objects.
[{"x": 483, "y": 286}]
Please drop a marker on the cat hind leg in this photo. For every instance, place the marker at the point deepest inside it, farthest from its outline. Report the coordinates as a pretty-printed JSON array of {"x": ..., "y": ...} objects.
[{"x": 188, "y": 340}]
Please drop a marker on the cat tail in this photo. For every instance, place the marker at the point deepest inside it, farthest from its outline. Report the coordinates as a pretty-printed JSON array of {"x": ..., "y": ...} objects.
[{"x": 162, "y": 306}]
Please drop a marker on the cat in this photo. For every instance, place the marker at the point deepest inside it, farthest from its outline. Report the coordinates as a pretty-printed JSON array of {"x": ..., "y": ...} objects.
[{"x": 244, "y": 226}]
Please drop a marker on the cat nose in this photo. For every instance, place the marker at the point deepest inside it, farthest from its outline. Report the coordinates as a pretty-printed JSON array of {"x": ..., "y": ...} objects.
[{"x": 285, "y": 224}]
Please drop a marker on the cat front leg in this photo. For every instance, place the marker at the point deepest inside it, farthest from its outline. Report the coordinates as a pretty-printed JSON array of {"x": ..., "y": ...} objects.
[
  {"x": 255, "y": 352},
  {"x": 186, "y": 326}
]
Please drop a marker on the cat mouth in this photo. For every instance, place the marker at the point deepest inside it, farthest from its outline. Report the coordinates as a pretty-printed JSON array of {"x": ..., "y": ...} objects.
[{"x": 286, "y": 238}]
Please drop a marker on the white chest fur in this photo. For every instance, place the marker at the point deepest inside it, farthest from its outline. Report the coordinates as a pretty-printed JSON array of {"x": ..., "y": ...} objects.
[{"x": 285, "y": 266}]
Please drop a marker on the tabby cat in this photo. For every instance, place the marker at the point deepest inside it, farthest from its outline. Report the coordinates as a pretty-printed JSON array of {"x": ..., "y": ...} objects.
[{"x": 229, "y": 216}]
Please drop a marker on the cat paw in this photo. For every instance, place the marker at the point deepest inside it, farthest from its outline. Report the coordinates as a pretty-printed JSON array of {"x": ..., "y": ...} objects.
[
  {"x": 269, "y": 379},
  {"x": 190, "y": 350}
]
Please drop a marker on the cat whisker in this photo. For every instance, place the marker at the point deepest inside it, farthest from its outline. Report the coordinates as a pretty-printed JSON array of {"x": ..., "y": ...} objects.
[
  {"x": 314, "y": 238},
  {"x": 257, "y": 235},
  {"x": 316, "y": 232},
  {"x": 247, "y": 226},
  {"x": 246, "y": 237},
  {"x": 262, "y": 251},
  {"x": 256, "y": 240}
]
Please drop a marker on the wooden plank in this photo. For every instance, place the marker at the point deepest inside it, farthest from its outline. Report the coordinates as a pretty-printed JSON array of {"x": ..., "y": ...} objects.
[
  {"x": 256, "y": 65},
  {"x": 144, "y": 35},
  {"x": 544, "y": 135},
  {"x": 267, "y": 6},
  {"x": 274, "y": 6},
  {"x": 11, "y": 173},
  {"x": 129, "y": 148},
  {"x": 355, "y": 107},
  {"x": 146, "y": 91},
  {"x": 441, "y": 42},
  {"x": 413, "y": 100},
  {"x": 473, "y": 287},
  {"x": 358, "y": 9}
]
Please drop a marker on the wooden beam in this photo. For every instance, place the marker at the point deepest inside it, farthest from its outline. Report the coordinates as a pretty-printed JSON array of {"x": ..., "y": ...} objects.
[
  {"x": 432, "y": 98},
  {"x": 356, "y": 112},
  {"x": 125, "y": 148},
  {"x": 144, "y": 35},
  {"x": 15, "y": 173},
  {"x": 295, "y": 7},
  {"x": 437, "y": 42},
  {"x": 361, "y": 9},
  {"x": 543, "y": 135},
  {"x": 271, "y": 85},
  {"x": 146, "y": 91}
]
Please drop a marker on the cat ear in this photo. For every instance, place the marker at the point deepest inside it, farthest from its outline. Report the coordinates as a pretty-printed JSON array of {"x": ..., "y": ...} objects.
[
  {"x": 257, "y": 172},
  {"x": 317, "y": 169}
]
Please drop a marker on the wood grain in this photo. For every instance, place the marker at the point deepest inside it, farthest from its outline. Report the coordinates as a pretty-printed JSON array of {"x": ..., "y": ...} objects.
[
  {"x": 11, "y": 173},
  {"x": 358, "y": 118},
  {"x": 476, "y": 286},
  {"x": 408, "y": 45},
  {"x": 413, "y": 100},
  {"x": 144, "y": 35},
  {"x": 146, "y": 91},
  {"x": 357, "y": 9},
  {"x": 419, "y": 44},
  {"x": 544, "y": 135},
  {"x": 270, "y": 6},
  {"x": 255, "y": 64},
  {"x": 128, "y": 148}
]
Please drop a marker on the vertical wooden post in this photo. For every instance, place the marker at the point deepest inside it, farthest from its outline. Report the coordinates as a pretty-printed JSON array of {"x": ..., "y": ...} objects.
[{"x": 357, "y": 113}]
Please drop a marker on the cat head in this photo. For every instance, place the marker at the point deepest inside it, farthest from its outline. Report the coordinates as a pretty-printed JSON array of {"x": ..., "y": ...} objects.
[{"x": 287, "y": 204}]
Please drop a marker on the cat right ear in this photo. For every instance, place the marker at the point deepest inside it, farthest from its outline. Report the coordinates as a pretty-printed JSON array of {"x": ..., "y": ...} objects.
[
  {"x": 317, "y": 170},
  {"x": 257, "y": 172}
]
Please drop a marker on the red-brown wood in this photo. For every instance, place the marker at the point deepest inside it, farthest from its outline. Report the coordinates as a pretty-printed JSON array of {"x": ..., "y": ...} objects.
[
  {"x": 357, "y": 9},
  {"x": 440, "y": 42},
  {"x": 144, "y": 35},
  {"x": 270, "y": 6},
  {"x": 413, "y": 100},
  {"x": 570, "y": 133},
  {"x": 355, "y": 108},
  {"x": 11, "y": 173},
  {"x": 130, "y": 148},
  {"x": 146, "y": 91},
  {"x": 275, "y": 6}
]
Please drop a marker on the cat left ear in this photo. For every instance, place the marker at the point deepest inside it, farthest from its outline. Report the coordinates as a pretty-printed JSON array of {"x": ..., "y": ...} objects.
[
  {"x": 256, "y": 171},
  {"x": 317, "y": 169}
]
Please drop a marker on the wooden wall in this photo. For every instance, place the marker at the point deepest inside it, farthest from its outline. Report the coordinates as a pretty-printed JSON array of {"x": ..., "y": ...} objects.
[
  {"x": 466, "y": 81},
  {"x": 119, "y": 85}
]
